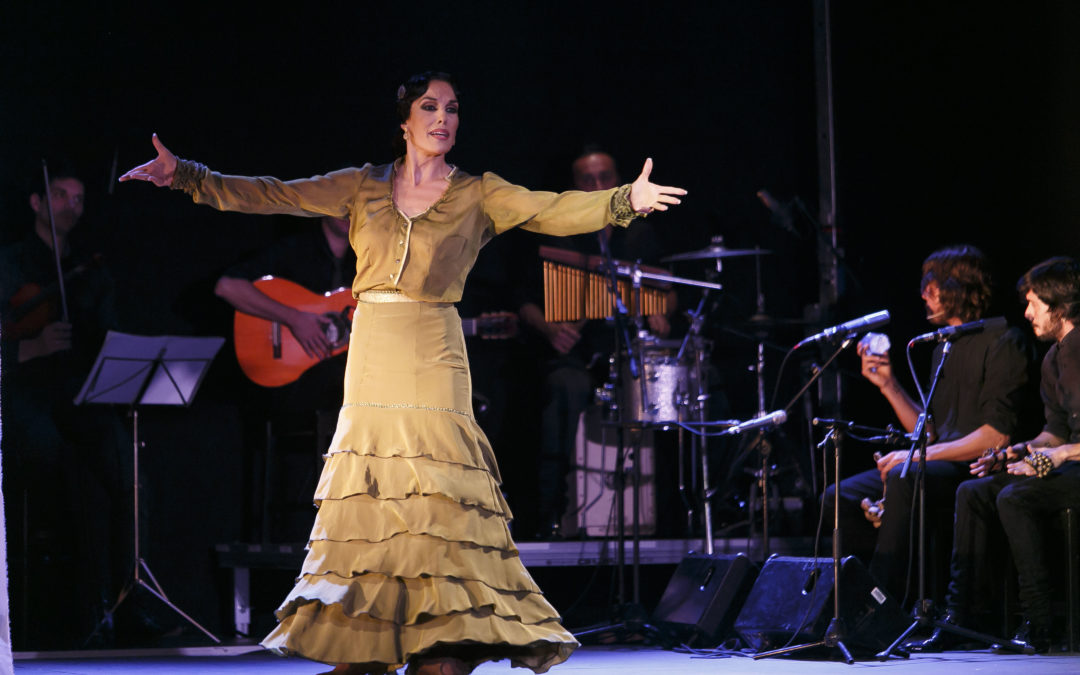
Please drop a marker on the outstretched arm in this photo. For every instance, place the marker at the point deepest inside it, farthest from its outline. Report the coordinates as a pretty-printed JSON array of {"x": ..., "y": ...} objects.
[
  {"x": 159, "y": 171},
  {"x": 573, "y": 211}
]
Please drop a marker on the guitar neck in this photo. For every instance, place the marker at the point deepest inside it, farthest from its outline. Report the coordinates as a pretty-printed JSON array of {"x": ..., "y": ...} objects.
[{"x": 470, "y": 327}]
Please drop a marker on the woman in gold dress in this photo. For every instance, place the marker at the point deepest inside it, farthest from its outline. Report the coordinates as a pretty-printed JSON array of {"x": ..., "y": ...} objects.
[{"x": 410, "y": 560}]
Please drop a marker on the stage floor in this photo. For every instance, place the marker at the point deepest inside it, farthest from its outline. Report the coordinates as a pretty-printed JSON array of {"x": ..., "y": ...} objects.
[{"x": 614, "y": 660}]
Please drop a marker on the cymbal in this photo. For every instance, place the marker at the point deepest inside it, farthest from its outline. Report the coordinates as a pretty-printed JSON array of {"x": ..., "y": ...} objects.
[
  {"x": 766, "y": 321},
  {"x": 713, "y": 252}
]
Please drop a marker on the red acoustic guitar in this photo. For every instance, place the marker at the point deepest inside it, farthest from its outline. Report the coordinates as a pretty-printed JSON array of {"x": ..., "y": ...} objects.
[{"x": 270, "y": 356}]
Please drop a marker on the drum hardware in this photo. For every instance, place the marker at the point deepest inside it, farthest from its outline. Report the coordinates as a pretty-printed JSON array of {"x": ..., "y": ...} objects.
[
  {"x": 763, "y": 446},
  {"x": 585, "y": 292},
  {"x": 665, "y": 387},
  {"x": 577, "y": 286},
  {"x": 716, "y": 251},
  {"x": 670, "y": 389}
]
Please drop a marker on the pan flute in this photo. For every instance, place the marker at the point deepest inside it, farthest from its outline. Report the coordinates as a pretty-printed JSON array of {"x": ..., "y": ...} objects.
[{"x": 577, "y": 287}]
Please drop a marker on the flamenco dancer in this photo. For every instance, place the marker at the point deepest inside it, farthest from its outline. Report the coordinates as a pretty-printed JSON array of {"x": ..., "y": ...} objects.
[{"x": 410, "y": 560}]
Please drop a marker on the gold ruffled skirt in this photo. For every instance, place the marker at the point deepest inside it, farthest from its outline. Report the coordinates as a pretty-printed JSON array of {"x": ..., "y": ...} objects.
[{"x": 411, "y": 553}]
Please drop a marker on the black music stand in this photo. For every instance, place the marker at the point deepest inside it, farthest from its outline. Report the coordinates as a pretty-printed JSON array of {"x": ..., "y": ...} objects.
[{"x": 137, "y": 370}]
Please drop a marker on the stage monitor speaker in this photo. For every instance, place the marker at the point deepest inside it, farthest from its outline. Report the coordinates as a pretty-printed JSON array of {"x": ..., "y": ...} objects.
[
  {"x": 792, "y": 604},
  {"x": 703, "y": 598}
]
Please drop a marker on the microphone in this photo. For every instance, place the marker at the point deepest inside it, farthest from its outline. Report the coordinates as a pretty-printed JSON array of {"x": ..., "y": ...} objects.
[
  {"x": 781, "y": 212},
  {"x": 868, "y": 322},
  {"x": 952, "y": 332},
  {"x": 775, "y": 418},
  {"x": 892, "y": 436}
]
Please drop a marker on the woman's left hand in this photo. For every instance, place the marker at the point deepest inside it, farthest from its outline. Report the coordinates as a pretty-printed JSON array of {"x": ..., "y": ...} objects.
[{"x": 646, "y": 197}]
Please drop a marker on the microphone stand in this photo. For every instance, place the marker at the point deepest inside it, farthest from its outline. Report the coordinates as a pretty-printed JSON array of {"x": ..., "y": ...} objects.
[
  {"x": 923, "y": 610},
  {"x": 835, "y": 632}
]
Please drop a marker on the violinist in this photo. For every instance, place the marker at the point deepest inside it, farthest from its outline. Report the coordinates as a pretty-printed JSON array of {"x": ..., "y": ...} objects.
[{"x": 66, "y": 468}]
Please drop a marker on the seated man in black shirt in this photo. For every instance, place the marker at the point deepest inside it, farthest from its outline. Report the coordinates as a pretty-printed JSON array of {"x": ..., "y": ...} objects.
[
  {"x": 976, "y": 406},
  {"x": 1042, "y": 477}
]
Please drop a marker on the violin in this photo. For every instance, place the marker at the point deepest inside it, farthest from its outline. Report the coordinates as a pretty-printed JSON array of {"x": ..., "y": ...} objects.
[{"x": 34, "y": 306}]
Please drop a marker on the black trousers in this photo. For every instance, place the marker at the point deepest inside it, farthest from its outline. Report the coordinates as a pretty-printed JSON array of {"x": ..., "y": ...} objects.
[
  {"x": 1025, "y": 507},
  {"x": 977, "y": 537},
  {"x": 568, "y": 389},
  {"x": 889, "y": 551}
]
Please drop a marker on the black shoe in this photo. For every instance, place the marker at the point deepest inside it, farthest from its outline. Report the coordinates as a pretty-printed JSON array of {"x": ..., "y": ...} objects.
[
  {"x": 1030, "y": 639},
  {"x": 940, "y": 640}
]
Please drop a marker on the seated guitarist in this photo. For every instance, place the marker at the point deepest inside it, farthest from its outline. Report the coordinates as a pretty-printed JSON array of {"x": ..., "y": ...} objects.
[
  {"x": 319, "y": 259},
  {"x": 976, "y": 406}
]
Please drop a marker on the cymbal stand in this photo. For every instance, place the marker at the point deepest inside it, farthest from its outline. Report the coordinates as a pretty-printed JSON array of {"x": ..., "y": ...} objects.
[
  {"x": 764, "y": 447},
  {"x": 697, "y": 402}
]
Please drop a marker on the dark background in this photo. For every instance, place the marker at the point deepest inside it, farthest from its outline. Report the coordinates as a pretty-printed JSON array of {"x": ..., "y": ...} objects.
[{"x": 955, "y": 122}]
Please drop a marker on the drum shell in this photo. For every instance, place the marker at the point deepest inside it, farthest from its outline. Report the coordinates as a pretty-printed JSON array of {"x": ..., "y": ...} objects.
[{"x": 665, "y": 392}]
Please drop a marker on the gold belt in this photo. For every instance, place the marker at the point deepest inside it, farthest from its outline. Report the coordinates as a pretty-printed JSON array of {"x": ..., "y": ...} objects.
[
  {"x": 373, "y": 297},
  {"x": 383, "y": 296}
]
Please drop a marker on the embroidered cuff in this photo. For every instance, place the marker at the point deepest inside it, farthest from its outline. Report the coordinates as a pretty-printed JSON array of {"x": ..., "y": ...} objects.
[
  {"x": 189, "y": 175},
  {"x": 621, "y": 211}
]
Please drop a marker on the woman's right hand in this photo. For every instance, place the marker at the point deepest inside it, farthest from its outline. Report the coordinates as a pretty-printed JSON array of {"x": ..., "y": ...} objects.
[{"x": 159, "y": 171}]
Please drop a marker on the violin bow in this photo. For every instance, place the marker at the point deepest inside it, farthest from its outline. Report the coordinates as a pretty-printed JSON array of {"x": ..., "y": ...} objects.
[{"x": 56, "y": 247}]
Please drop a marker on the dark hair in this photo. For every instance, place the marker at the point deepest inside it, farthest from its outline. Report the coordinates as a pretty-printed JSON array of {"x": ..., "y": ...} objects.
[
  {"x": 59, "y": 169},
  {"x": 962, "y": 275},
  {"x": 413, "y": 89},
  {"x": 593, "y": 149},
  {"x": 1057, "y": 283}
]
